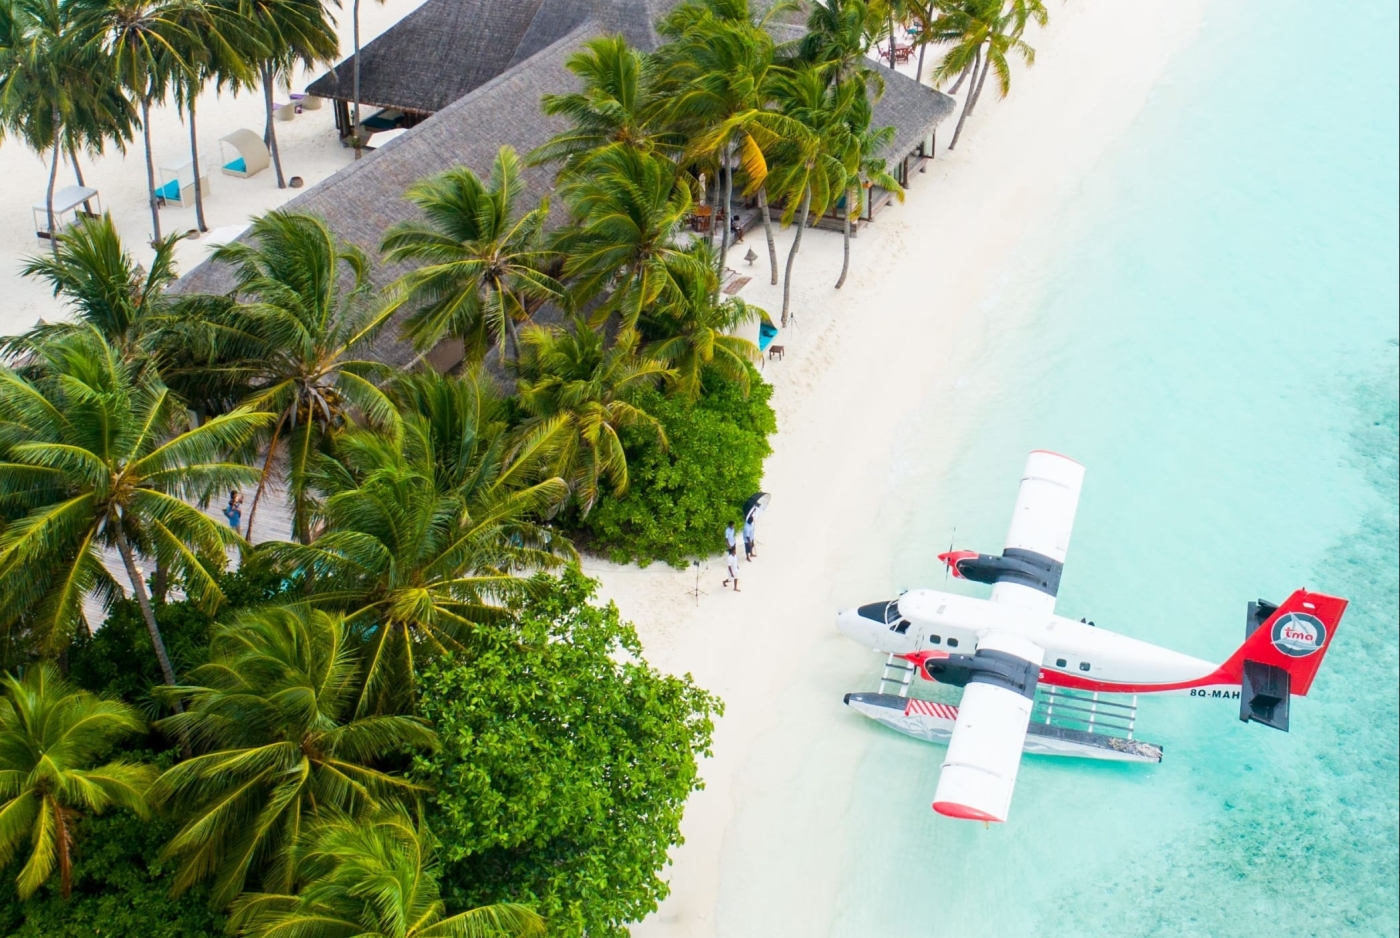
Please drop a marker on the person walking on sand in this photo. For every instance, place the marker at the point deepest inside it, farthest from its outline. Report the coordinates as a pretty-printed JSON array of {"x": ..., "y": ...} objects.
[
  {"x": 748, "y": 539},
  {"x": 731, "y": 560}
]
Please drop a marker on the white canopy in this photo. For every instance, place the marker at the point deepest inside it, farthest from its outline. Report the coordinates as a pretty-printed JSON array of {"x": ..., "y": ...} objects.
[{"x": 66, "y": 199}]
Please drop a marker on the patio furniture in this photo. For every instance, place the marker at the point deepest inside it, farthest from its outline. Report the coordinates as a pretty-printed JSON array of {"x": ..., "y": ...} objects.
[
  {"x": 67, "y": 208},
  {"x": 776, "y": 351},
  {"x": 284, "y": 112},
  {"x": 242, "y": 153},
  {"x": 177, "y": 181},
  {"x": 306, "y": 102}
]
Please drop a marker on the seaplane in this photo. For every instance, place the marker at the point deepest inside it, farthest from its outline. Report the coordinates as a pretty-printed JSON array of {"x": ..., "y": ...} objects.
[{"x": 1037, "y": 682}]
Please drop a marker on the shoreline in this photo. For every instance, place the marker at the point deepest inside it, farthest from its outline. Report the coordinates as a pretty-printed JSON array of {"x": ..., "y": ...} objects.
[{"x": 912, "y": 318}]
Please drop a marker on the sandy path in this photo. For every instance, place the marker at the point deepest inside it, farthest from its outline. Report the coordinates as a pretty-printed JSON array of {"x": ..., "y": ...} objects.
[{"x": 907, "y": 323}]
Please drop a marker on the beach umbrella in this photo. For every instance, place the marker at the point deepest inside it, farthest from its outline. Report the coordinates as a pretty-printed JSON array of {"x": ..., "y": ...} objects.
[{"x": 756, "y": 505}]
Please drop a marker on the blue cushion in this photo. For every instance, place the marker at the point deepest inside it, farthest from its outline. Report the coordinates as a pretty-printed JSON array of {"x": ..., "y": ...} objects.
[
  {"x": 170, "y": 191},
  {"x": 238, "y": 166},
  {"x": 767, "y": 332}
]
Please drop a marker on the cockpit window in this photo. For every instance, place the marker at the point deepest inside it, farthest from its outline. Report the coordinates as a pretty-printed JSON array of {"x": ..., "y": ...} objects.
[
  {"x": 886, "y": 612},
  {"x": 900, "y": 627}
]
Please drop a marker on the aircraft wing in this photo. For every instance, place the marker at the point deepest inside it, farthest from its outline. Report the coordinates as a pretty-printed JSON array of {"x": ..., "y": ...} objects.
[
  {"x": 984, "y": 753},
  {"x": 1040, "y": 527}
]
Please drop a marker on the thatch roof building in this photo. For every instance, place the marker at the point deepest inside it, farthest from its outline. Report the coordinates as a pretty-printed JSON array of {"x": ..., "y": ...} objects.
[{"x": 499, "y": 105}]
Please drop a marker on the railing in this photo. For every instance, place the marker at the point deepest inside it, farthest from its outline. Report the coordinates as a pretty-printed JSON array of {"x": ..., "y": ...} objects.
[{"x": 1088, "y": 712}]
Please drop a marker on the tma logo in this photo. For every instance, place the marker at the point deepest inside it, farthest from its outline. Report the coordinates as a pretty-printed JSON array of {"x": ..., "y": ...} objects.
[{"x": 1298, "y": 634}]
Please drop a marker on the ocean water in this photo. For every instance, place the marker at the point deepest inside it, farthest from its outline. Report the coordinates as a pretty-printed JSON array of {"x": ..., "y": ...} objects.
[{"x": 1210, "y": 326}]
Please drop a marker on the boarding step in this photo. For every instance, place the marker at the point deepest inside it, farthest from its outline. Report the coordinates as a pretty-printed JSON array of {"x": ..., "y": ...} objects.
[{"x": 897, "y": 676}]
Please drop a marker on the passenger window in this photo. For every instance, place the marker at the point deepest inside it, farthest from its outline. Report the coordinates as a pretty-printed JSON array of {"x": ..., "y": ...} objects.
[
  {"x": 935, "y": 640},
  {"x": 1061, "y": 663},
  {"x": 1083, "y": 665},
  {"x": 901, "y": 627},
  {"x": 952, "y": 643}
]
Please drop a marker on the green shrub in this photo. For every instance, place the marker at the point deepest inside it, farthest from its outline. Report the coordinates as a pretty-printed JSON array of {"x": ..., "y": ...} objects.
[
  {"x": 680, "y": 498},
  {"x": 120, "y": 889},
  {"x": 565, "y": 764}
]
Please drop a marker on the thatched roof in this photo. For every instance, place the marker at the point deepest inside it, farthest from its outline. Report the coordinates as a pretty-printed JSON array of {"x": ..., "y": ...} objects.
[
  {"x": 912, "y": 109},
  {"x": 447, "y": 48}
]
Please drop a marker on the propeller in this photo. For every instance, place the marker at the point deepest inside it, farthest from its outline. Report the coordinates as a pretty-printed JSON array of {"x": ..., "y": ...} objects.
[{"x": 948, "y": 564}]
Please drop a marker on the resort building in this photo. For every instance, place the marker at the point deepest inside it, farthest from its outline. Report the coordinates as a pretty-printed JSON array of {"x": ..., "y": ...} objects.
[{"x": 459, "y": 79}]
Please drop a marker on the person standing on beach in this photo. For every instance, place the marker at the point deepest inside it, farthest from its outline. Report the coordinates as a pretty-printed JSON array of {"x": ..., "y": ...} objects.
[
  {"x": 748, "y": 539},
  {"x": 234, "y": 510},
  {"x": 731, "y": 560},
  {"x": 729, "y": 536}
]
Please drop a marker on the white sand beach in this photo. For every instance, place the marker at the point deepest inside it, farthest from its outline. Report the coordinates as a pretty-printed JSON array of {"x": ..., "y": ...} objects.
[
  {"x": 309, "y": 149},
  {"x": 910, "y": 320}
]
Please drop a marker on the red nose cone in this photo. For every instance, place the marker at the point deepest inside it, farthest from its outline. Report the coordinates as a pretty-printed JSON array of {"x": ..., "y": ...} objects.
[
  {"x": 963, "y": 812},
  {"x": 953, "y": 557}
]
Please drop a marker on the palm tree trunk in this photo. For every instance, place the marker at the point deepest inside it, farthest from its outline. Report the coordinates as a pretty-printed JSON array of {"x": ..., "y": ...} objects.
[
  {"x": 724, "y": 234},
  {"x": 138, "y": 586},
  {"x": 969, "y": 67},
  {"x": 63, "y": 843},
  {"x": 513, "y": 335},
  {"x": 78, "y": 175},
  {"x": 768, "y": 231},
  {"x": 971, "y": 100},
  {"x": 194, "y": 159},
  {"x": 891, "y": 8},
  {"x": 792, "y": 254},
  {"x": 262, "y": 481},
  {"x": 846, "y": 236},
  {"x": 355, "y": 102},
  {"x": 53, "y": 181},
  {"x": 982, "y": 80},
  {"x": 271, "y": 132},
  {"x": 923, "y": 46},
  {"x": 150, "y": 167}
]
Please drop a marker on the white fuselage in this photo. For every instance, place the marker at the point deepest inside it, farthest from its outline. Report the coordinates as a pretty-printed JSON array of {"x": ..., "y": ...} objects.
[{"x": 1084, "y": 654}]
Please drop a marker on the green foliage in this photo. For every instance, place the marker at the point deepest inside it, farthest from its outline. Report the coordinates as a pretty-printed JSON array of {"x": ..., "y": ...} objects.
[
  {"x": 565, "y": 764},
  {"x": 681, "y": 496},
  {"x": 117, "y": 660},
  {"x": 120, "y": 889}
]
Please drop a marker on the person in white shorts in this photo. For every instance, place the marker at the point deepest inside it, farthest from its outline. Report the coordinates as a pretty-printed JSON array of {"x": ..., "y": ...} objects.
[{"x": 731, "y": 559}]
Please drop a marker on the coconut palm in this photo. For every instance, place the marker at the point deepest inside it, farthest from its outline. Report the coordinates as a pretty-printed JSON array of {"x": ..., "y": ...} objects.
[
  {"x": 719, "y": 80},
  {"x": 271, "y": 721},
  {"x": 143, "y": 40},
  {"x": 428, "y": 530},
  {"x": 287, "y": 33},
  {"x": 839, "y": 36},
  {"x": 53, "y": 87},
  {"x": 575, "y": 389},
  {"x": 484, "y": 270},
  {"x": 104, "y": 288},
  {"x": 95, "y": 454},
  {"x": 627, "y": 208},
  {"x": 295, "y": 336},
  {"x": 695, "y": 334},
  {"x": 813, "y": 169},
  {"x": 615, "y": 106},
  {"x": 51, "y": 733},
  {"x": 216, "y": 46},
  {"x": 373, "y": 878},
  {"x": 983, "y": 30},
  {"x": 870, "y": 171}
]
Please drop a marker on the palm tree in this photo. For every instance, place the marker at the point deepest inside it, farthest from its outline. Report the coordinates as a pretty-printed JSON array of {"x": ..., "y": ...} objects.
[
  {"x": 294, "y": 338},
  {"x": 53, "y": 91},
  {"x": 143, "y": 39},
  {"x": 271, "y": 720},
  {"x": 720, "y": 80},
  {"x": 627, "y": 208},
  {"x": 575, "y": 390},
  {"x": 51, "y": 733},
  {"x": 373, "y": 878},
  {"x": 814, "y": 168},
  {"x": 870, "y": 171},
  {"x": 287, "y": 33},
  {"x": 429, "y": 529},
  {"x": 216, "y": 46},
  {"x": 696, "y": 333},
  {"x": 616, "y": 105},
  {"x": 839, "y": 36},
  {"x": 484, "y": 270},
  {"x": 983, "y": 30},
  {"x": 104, "y": 288},
  {"x": 355, "y": 140},
  {"x": 96, "y": 454}
]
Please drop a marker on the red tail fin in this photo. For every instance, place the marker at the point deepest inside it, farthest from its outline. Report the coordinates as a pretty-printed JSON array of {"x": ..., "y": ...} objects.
[{"x": 1294, "y": 637}]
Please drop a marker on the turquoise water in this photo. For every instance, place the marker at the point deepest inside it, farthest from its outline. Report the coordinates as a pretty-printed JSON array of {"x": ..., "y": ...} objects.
[{"x": 1211, "y": 327}]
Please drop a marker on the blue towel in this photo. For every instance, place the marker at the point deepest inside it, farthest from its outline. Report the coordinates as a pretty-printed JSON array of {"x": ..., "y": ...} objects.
[{"x": 238, "y": 166}]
